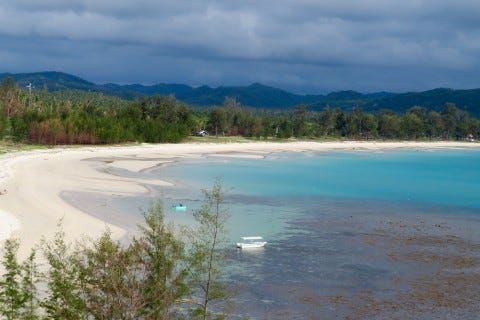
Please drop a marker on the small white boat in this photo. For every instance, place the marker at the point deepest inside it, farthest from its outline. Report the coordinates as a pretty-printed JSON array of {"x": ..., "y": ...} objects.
[
  {"x": 251, "y": 242},
  {"x": 179, "y": 207}
]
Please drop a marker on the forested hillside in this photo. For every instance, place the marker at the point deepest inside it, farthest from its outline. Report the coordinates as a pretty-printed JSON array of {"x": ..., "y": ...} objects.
[
  {"x": 81, "y": 117},
  {"x": 51, "y": 80},
  {"x": 261, "y": 96},
  {"x": 77, "y": 117}
]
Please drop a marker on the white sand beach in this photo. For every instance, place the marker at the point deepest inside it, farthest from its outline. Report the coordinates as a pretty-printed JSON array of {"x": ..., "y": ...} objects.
[{"x": 31, "y": 182}]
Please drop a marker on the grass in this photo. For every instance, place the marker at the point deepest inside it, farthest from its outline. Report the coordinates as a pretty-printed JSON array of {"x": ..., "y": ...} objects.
[{"x": 9, "y": 146}]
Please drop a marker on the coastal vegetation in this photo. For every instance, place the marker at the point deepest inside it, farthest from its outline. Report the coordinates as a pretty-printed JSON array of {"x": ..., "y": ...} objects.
[
  {"x": 81, "y": 117},
  {"x": 160, "y": 274},
  {"x": 206, "y": 257},
  {"x": 259, "y": 96}
]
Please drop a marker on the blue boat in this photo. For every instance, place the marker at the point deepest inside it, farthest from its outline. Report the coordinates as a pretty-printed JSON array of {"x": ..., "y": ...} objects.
[{"x": 179, "y": 207}]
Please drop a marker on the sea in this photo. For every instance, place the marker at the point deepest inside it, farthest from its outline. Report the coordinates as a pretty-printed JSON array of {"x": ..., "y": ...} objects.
[{"x": 351, "y": 234}]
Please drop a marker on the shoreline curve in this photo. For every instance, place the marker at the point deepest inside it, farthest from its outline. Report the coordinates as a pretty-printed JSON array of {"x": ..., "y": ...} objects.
[{"x": 32, "y": 182}]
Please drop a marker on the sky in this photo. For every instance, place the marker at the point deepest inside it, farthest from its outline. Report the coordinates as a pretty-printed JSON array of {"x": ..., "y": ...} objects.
[{"x": 302, "y": 46}]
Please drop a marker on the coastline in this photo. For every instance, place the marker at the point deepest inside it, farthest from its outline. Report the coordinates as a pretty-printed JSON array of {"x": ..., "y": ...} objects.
[{"x": 32, "y": 182}]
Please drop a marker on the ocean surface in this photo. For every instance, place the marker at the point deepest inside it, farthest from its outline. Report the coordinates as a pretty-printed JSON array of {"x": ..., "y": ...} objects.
[{"x": 346, "y": 230}]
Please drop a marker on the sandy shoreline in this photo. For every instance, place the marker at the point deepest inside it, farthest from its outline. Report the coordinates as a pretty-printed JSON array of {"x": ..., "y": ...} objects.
[{"x": 31, "y": 182}]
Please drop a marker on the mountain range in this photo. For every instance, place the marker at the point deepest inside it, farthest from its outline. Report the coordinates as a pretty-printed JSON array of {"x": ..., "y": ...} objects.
[{"x": 257, "y": 95}]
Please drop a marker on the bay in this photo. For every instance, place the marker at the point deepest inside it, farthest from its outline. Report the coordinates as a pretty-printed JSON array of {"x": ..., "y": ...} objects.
[{"x": 359, "y": 234}]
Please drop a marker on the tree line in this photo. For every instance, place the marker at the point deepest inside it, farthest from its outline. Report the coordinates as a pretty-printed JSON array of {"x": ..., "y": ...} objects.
[
  {"x": 158, "y": 275},
  {"x": 77, "y": 117},
  {"x": 417, "y": 123}
]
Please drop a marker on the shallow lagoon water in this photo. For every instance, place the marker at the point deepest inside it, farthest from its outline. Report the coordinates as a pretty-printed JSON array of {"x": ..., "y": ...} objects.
[
  {"x": 332, "y": 220},
  {"x": 315, "y": 208}
]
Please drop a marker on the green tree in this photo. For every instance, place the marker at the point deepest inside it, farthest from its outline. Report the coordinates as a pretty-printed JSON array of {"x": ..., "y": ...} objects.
[
  {"x": 299, "y": 121},
  {"x": 9, "y": 101},
  {"x": 450, "y": 120},
  {"x": 354, "y": 123},
  {"x": 233, "y": 115},
  {"x": 283, "y": 128},
  {"x": 465, "y": 125},
  {"x": 3, "y": 124},
  {"x": 65, "y": 295},
  {"x": 326, "y": 122},
  {"x": 369, "y": 125},
  {"x": 145, "y": 280},
  {"x": 11, "y": 297},
  {"x": 108, "y": 291},
  {"x": 217, "y": 120},
  {"x": 114, "y": 280},
  {"x": 248, "y": 125},
  {"x": 390, "y": 125},
  {"x": 30, "y": 278},
  {"x": 341, "y": 123},
  {"x": 267, "y": 126},
  {"x": 412, "y": 126},
  {"x": 207, "y": 253},
  {"x": 163, "y": 256},
  {"x": 419, "y": 111},
  {"x": 435, "y": 127}
]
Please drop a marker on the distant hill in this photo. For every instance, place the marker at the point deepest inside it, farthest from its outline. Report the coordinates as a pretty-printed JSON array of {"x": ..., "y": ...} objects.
[
  {"x": 52, "y": 80},
  {"x": 260, "y": 96},
  {"x": 255, "y": 95},
  {"x": 468, "y": 100}
]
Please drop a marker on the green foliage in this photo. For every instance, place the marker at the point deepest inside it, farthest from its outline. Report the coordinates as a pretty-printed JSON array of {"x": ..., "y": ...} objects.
[
  {"x": 208, "y": 252},
  {"x": 325, "y": 122},
  {"x": 162, "y": 254},
  {"x": 389, "y": 125},
  {"x": 299, "y": 121},
  {"x": 30, "y": 278},
  {"x": 4, "y": 124},
  {"x": 283, "y": 128},
  {"x": 450, "y": 116},
  {"x": 369, "y": 126},
  {"x": 11, "y": 297},
  {"x": 148, "y": 279},
  {"x": 432, "y": 100},
  {"x": 255, "y": 95},
  {"x": 412, "y": 126},
  {"x": 143, "y": 280},
  {"x": 18, "y": 290},
  {"x": 110, "y": 292},
  {"x": 65, "y": 288},
  {"x": 217, "y": 120},
  {"x": 79, "y": 117}
]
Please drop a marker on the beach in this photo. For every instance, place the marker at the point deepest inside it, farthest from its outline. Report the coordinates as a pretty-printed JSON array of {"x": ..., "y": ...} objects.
[{"x": 31, "y": 183}]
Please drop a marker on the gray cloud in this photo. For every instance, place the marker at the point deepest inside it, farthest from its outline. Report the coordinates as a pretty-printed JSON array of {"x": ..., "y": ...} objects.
[{"x": 306, "y": 46}]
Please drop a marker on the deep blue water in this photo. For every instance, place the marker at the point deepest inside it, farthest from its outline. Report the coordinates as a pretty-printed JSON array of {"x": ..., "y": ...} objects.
[{"x": 313, "y": 208}]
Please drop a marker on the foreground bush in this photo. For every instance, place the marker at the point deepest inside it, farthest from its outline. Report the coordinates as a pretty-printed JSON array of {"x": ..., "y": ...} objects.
[{"x": 155, "y": 276}]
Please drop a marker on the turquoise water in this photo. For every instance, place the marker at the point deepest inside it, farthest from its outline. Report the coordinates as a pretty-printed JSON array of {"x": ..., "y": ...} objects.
[
  {"x": 443, "y": 177},
  {"x": 316, "y": 210}
]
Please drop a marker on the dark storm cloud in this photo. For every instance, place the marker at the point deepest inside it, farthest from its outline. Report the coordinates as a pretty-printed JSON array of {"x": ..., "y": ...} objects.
[{"x": 303, "y": 45}]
